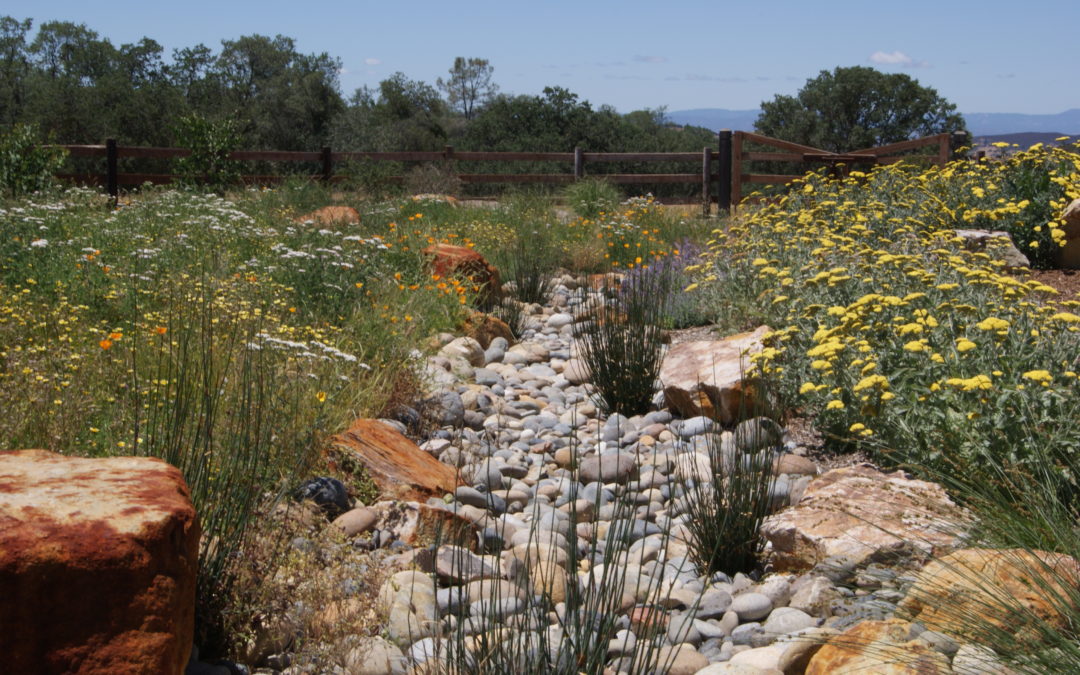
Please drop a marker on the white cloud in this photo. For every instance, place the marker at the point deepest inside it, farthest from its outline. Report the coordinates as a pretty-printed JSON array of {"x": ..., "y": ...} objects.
[
  {"x": 896, "y": 58},
  {"x": 372, "y": 61},
  {"x": 641, "y": 58}
]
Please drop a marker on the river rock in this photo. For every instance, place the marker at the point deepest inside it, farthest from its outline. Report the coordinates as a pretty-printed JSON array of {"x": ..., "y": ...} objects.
[{"x": 615, "y": 468}]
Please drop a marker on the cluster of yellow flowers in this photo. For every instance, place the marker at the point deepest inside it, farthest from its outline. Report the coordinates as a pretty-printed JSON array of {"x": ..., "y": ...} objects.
[{"x": 888, "y": 320}]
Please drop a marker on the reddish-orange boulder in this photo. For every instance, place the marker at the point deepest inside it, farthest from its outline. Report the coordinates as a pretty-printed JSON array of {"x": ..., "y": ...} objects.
[
  {"x": 448, "y": 260},
  {"x": 399, "y": 468},
  {"x": 332, "y": 215},
  {"x": 98, "y": 559}
]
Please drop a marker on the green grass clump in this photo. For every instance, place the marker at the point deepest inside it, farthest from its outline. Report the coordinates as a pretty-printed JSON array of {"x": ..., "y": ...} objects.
[{"x": 622, "y": 342}]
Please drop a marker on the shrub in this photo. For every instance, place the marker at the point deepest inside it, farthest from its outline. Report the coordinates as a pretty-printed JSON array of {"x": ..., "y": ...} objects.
[
  {"x": 591, "y": 197},
  {"x": 432, "y": 178},
  {"x": 210, "y": 143},
  {"x": 25, "y": 164},
  {"x": 896, "y": 338}
]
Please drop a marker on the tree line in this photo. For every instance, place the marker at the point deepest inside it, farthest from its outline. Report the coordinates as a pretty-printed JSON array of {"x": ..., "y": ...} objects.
[{"x": 79, "y": 87}]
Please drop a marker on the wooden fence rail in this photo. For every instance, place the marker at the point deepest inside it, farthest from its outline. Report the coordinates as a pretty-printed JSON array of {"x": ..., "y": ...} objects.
[{"x": 728, "y": 178}]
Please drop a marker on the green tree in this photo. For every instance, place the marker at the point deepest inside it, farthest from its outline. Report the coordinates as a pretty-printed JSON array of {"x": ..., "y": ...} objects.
[
  {"x": 402, "y": 115},
  {"x": 469, "y": 85},
  {"x": 286, "y": 100},
  {"x": 857, "y": 107},
  {"x": 14, "y": 68}
]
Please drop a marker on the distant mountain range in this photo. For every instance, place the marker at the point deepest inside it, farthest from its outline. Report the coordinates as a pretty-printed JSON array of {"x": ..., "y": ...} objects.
[{"x": 979, "y": 124}]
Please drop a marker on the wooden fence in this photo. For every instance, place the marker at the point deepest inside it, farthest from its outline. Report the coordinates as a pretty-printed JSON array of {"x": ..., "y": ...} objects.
[
  {"x": 728, "y": 157},
  {"x": 947, "y": 145}
]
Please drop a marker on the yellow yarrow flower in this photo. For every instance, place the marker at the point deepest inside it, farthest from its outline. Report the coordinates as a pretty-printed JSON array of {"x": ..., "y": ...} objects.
[
  {"x": 872, "y": 381},
  {"x": 1041, "y": 376},
  {"x": 964, "y": 344},
  {"x": 992, "y": 323},
  {"x": 834, "y": 405}
]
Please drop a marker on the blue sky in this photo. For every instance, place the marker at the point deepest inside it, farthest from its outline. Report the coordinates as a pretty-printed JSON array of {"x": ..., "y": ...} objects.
[{"x": 985, "y": 56}]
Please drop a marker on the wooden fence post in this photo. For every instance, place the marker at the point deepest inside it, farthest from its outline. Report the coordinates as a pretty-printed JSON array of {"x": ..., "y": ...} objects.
[
  {"x": 723, "y": 197},
  {"x": 944, "y": 150},
  {"x": 706, "y": 182},
  {"x": 579, "y": 163},
  {"x": 327, "y": 164},
  {"x": 448, "y": 160},
  {"x": 736, "y": 169},
  {"x": 111, "y": 184}
]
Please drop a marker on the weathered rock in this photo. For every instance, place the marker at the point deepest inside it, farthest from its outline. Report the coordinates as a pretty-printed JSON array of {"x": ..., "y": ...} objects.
[
  {"x": 459, "y": 565},
  {"x": 464, "y": 348},
  {"x": 484, "y": 328},
  {"x": 1068, "y": 256},
  {"x": 997, "y": 244},
  {"x": 795, "y": 464},
  {"x": 879, "y": 647},
  {"x": 859, "y": 511},
  {"x": 449, "y": 260},
  {"x": 420, "y": 525},
  {"x": 332, "y": 215},
  {"x": 97, "y": 564},
  {"x": 408, "y": 598},
  {"x": 708, "y": 377},
  {"x": 996, "y": 589},
  {"x": 435, "y": 197},
  {"x": 357, "y": 521},
  {"x": 326, "y": 492},
  {"x": 399, "y": 468},
  {"x": 375, "y": 656}
]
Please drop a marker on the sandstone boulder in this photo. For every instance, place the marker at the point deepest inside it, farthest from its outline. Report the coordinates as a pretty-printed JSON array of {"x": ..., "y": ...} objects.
[
  {"x": 1069, "y": 255},
  {"x": 857, "y": 512},
  {"x": 432, "y": 197},
  {"x": 879, "y": 647},
  {"x": 708, "y": 377},
  {"x": 97, "y": 564},
  {"x": 484, "y": 328},
  {"x": 399, "y": 468},
  {"x": 1011, "y": 589},
  {"x": 995, "y": 243},
  {"x": 332, "y": 215},
  {"x": 448, "y": 260}
]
